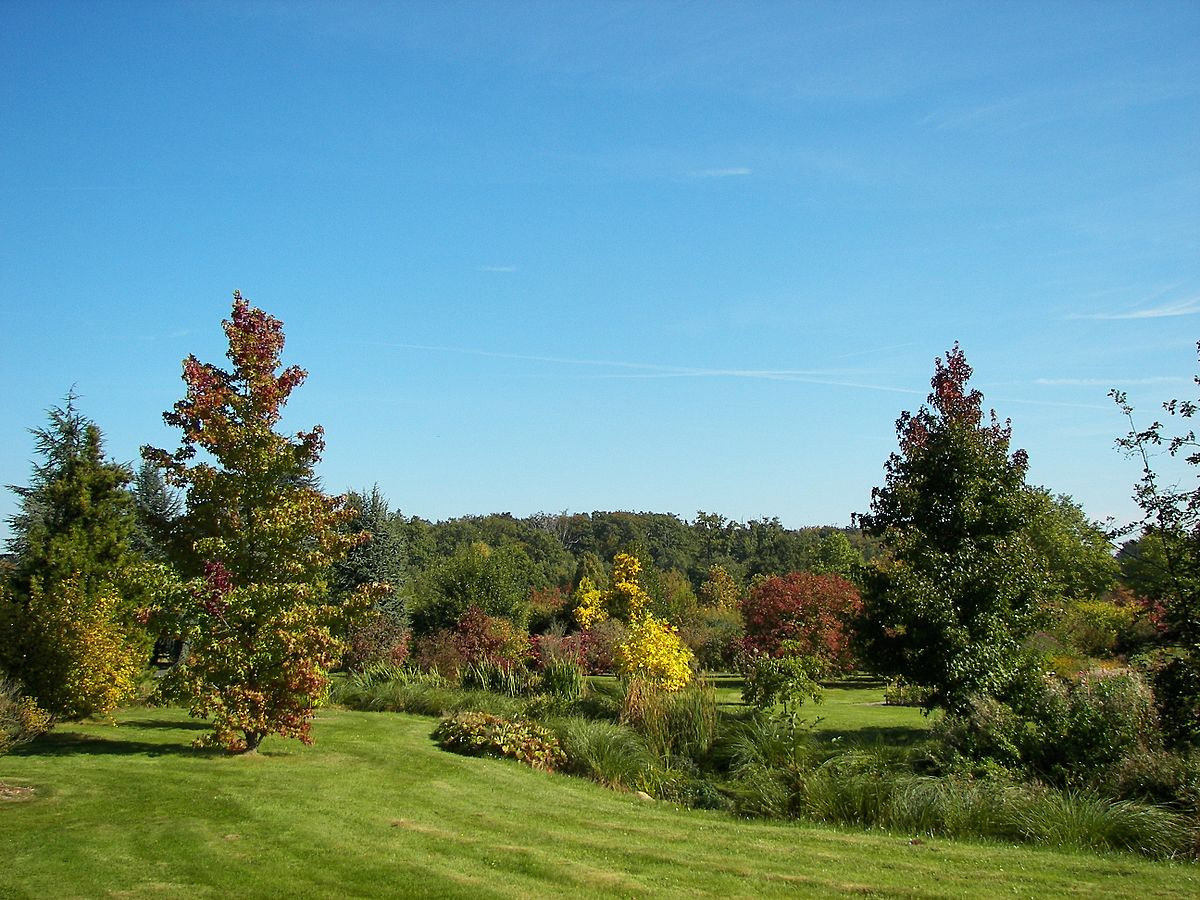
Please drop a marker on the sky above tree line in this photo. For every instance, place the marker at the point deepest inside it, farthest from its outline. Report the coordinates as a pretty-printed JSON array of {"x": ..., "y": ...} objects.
[{"x": 653, "y": 256}]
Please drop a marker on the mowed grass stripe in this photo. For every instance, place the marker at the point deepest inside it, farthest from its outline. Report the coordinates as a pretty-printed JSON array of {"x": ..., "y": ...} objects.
[{"x": 375, "y": 809}]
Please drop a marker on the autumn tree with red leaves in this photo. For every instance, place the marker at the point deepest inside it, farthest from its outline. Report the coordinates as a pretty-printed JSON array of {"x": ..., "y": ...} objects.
[
  {"x": 256, "y": 614},
  {"x": 953, "y": 597},
  {"x": 804, "y": 614}
]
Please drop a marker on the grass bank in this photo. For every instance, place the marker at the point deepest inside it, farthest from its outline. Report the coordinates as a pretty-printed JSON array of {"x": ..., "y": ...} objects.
[{"x": 375, "y": 809}]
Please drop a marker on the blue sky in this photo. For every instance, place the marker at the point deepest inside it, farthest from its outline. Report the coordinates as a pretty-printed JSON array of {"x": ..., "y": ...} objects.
[{"x": 655, "y": 256}]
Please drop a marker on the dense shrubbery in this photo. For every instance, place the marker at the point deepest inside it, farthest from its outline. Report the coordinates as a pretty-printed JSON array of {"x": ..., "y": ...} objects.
[
  {"x": 474, "y": 638},
  {"x": 379, "y": 636},
  {"x": 1073, "y": 733}
]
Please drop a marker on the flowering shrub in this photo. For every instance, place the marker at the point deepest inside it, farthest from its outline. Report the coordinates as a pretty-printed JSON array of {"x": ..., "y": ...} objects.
[
  {"x": 814, "y": 612},
  {"x": 482, "y": 734},
  {"x": 653, "y": 651}
]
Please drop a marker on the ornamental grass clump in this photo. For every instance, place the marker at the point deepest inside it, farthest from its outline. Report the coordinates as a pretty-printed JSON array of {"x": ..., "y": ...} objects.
[
  {"x": 679, "y": 723},
  {"x": 612, "y": 755}
]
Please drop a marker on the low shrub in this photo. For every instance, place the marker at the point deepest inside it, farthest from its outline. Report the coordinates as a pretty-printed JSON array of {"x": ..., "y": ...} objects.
[
  {"x": 482, "y": 734},
  {"x": 787, "y": 680},
  {"x": 476, "y": 637},
  {"x": 1166, "y": 777},
  {"x": 21, "y": 719}
]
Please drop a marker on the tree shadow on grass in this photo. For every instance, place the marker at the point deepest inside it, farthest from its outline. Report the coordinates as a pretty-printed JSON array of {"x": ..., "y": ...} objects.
[
  {"x": 181, "y": 725},
  {"x": 67, "y": 743}
]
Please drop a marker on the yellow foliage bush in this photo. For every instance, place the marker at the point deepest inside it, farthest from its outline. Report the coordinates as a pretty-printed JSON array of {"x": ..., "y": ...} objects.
[
  {"x": 88, "y": 662},
  {"x": 654, "y": 652},
  {"x": 589, "y": 604}
]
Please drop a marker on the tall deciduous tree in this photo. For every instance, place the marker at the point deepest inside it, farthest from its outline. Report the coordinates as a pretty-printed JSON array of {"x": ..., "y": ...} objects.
[
  {"x": 949, "y": 605},
  {"x": 67, "y": 627},
  {"x": 257, "y": 615}
]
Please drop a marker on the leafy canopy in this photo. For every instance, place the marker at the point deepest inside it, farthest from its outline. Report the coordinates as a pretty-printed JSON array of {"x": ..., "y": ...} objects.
[
  {"x": 950, "y": 603},
  {"x": 257, "y": 616}
]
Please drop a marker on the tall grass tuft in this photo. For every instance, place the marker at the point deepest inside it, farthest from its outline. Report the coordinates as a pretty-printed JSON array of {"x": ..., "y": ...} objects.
[
  {"x": 673, "y": 723},
  {"x": 563, "y": 679},
  {"x": 612, "y": 755},
  {"x": 1086, "y": 820},
  {"x": 400, "y": 689}
]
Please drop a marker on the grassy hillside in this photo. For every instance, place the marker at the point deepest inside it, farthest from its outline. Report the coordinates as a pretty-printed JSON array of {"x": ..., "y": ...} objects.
[{"x": 375, "y": 809}]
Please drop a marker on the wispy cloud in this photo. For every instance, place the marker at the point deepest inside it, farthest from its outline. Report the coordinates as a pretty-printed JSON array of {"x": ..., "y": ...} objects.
[
  {"x": 1086, "y": 98},
  {"x": 497, "y": 268},
  {"x": 1107, "y": 382},
  {"x": 1189, "y": 306},
  {"x": 730, "y": 172},
  {"x": 830, "y": 377}
]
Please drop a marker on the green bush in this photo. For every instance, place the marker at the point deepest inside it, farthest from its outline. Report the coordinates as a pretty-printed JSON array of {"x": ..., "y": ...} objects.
[
  {"x": 21, "y": 719},
  {"x": 482, "y": 734},
  {"x": 788, "y": 680},
  {"x": 1095, "y": 627},
  {"x": 901, "y": 693},
  {"x": 1067, "y": 732},
  {"x": 715, "y": 638},
  {"x": 770, "y": 757},
  {"x": 1170, "y": 778}
]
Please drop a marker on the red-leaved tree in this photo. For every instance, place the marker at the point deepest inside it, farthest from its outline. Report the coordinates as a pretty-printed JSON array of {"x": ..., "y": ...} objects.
[
  {"x": 802, "y": 614},
  {"x": 255, "y": 611}
]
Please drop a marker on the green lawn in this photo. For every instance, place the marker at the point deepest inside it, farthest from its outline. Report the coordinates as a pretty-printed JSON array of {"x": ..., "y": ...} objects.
[
  {"x": 375, "y": 809},
  {"x": 848, "y": 711}
]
